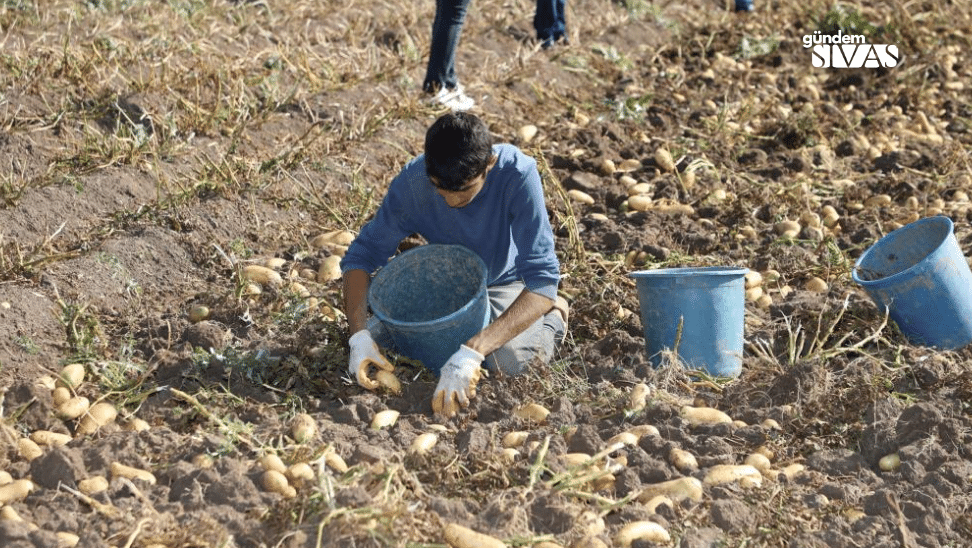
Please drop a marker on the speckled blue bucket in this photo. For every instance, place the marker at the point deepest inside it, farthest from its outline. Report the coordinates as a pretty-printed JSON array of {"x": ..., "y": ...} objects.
[
  {"x": 431, "y": 299},
  {"x": 920, "y": 274}
]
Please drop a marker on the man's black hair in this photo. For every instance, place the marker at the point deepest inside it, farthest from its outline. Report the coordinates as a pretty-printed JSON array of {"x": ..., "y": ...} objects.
[{"x": 458, "y": 148}]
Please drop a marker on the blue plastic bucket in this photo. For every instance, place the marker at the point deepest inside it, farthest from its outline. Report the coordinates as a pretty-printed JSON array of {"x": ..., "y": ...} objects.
[
  {"x": 431, "y": 299},
  {"x": 708, "y": 303},
  {"x": 920, "y": 274}
]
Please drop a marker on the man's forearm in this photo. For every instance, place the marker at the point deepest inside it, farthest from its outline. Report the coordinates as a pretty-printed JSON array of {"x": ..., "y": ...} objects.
[
  {"x": 356, "y": 299},
  {"x": 525, "y": 310}
]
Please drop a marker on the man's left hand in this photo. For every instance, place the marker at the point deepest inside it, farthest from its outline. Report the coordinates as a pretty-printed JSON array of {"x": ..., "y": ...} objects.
[{"x": 457, "y": 382}]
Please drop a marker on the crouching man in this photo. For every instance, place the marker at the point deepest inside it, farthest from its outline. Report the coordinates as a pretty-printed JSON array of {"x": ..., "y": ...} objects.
[{"x": 465, "y": 190}]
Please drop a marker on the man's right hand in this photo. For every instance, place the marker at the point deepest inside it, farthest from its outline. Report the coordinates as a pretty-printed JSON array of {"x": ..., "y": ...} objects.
[{"x": 364, "y": 354}]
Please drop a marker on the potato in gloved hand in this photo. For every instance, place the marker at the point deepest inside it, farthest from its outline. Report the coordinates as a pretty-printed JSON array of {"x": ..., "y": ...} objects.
[
  {"x": 364, "y": 354},
  {"x": 457, "y": 382}
]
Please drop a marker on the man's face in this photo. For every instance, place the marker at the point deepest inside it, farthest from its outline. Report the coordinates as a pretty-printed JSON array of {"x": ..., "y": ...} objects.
[{"x": 468, "y": 191}]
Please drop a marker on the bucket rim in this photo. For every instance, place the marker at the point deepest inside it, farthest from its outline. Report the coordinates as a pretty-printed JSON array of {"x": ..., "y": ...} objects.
[
  {"x": 481, "y": 291},
  {"x": 681, "y": 272},
  {"x": 894, "y": 278}
]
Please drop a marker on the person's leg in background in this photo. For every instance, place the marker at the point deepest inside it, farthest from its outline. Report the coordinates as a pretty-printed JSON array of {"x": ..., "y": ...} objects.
[
  {"x": 550, "y": 21},
  {"x": 440, "y": 76},
  {"x": 537, "y": 342}
]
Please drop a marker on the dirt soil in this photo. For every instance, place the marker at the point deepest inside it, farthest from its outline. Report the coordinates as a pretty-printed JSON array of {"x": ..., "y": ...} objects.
[{"x": 151, "y": 150}]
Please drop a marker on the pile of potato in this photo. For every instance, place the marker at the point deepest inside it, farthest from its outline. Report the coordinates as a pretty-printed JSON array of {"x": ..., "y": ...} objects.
[{"x": 596, "y": 473}]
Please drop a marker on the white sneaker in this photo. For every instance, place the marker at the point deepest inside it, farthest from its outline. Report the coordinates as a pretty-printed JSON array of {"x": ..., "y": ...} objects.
[{"x": 455, "y": 99}]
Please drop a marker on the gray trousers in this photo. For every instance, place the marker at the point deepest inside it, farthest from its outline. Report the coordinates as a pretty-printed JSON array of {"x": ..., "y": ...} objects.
[{"x": 536, "y": 342}]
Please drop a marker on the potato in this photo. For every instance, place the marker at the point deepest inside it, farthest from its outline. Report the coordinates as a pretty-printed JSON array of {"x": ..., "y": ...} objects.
[
  {"x": 811, "y": 219},
  {"x": 643, "y": 430},
  {"x": 744, "y": 474},
  {"x": 423, "y": 443},
  {"x": 329, "y": 270},
  {"x": 97, "y": 416},
  {"x": 771, "y": 424},
  {"x": 641, "y": 189},
  {"x": 335, "y": 462},
  {"x": 683, "y": 460},
  {"x": 688, "y": 182},
  {"x": 580, "y": 197},
  {"x": 526, "y": 133},
  {"x": 816, "y": 285},
  {"x": 46, "y": 437},
  {"x": 696, "y": 416},
  {"x": 7, "y": 513},
  {"x": 604, "y": 483},
  {"x": 72, "y": 408},
  {"x": 299, "y": 289},
  {"x": 66, "y": 539},
  {"x": 628, "y": 181},
  {"x": 765, "y": 451},
  {"x": 674, "y": 208},
  {"x": 92, "y": 485},
  {"x": 47, "y": 382},
  {"x": 764, "y": 301},
  {"x": 203, "y": 461},
  {"x": 877, "y": 201},
  {"x": 629, "y": 165},
  {"x": 653, "y": 503},
  {"x": 624, "y": 438},
  {"x": 687, "y": 488},
  {"x": 137, "y": 425},
  {"x": 333, "y": 238},
  {"x": 664, "y": 161},
  {"x": 641, "y": 530},
  {"x": 509, "y": 455},
  {"x": 198, "y": 313},
  {"x": 515, "y": 439},
  {"x": 890, "y": 462},
  {"x": 787, "y": 229},
  {"x": 71, "y": 376},
  {"x": 28, "y": 449},
  {"x": 458, "y": 536},
  {"x": 271, "y": 461},
  {"x": 275, "y": 263},
  {"x": 759, "y": 462},
  {"x": 607, "y": 167},
  {"x": 547, "y": 544},
  {"x": 753, "y": 279},
  {"x": 262, "y": 275},
  {"x": 384, "y": 419},
  {"x": 303, "y": 428},
  {"x": 753, "y": 294},
  {"x": 638, "y": 397},
  {"x": 388, "y": 380},
  {"x": 639, "y": 203},
  {"x": 275, "y": 482},
  {"x": 5, "y": 477},
  {"x": 300, "y": 473},
  {"x": 574, "y": 460},
  {"x": 120, "y": 470},
  {"x": 589, "y": 523},
  {"x": 531, "y": 412},
  {"x": 15, "y": 491}
]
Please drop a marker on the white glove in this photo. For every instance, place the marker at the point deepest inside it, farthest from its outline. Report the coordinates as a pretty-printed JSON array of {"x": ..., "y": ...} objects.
[
  {"x": 457, "y": 382},
  {"x": 364, "y": 354}
]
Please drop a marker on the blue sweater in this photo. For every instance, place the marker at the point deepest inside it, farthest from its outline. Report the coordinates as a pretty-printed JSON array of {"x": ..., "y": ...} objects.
[{"x": 506, "y": 224}]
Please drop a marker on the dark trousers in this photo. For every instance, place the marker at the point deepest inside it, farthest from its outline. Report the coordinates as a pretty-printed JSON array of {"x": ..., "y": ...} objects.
[
  {"x": 549, "y": 20},
  {"x": 441, "y": 72}
]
